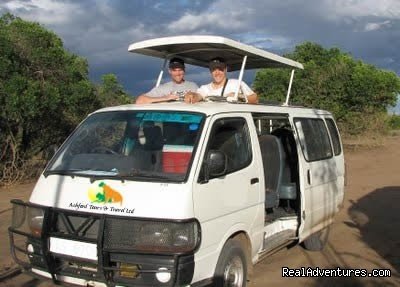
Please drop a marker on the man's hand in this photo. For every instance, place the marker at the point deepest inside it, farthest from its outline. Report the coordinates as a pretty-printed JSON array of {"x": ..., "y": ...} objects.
[{"x": 192, "y": 97}]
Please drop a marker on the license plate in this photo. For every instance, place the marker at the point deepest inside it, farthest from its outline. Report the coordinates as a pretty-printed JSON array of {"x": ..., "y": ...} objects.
[{"x": 73, "y": 248}]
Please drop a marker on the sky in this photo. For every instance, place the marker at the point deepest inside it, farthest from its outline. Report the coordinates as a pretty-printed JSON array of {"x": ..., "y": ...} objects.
[{"x": 102, "y": 30}]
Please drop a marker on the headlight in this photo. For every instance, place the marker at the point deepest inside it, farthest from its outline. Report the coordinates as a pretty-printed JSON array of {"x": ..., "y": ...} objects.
[
  {"x": 27, "y": 218},
  {"x": 155, "y": 233},
  {"x": 35, "y": 220},
  {"x": 183, "y": 235},
  {"x": 151, "y": 236}
]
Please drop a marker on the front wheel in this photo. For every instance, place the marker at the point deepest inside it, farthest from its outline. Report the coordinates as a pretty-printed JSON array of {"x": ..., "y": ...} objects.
[{"x": 231, "y": 268}]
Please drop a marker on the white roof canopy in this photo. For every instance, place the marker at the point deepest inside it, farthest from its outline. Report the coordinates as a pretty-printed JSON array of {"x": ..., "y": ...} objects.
[{"x": 199, "y": 50}]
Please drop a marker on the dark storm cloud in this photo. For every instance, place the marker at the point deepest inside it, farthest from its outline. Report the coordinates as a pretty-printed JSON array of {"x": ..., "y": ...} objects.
[
  {"x": 288, "y": 23},
  {"x": 102, "y": 30}
]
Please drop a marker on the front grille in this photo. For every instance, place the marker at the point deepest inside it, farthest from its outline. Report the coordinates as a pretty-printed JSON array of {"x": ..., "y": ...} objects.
[
  {"x": 161, "y": 237},
  {"x": 138, "y": 235},
  {"x": 125, "y": 230}
]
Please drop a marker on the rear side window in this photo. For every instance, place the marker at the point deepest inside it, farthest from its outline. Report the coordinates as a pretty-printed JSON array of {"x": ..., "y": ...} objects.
[
  {"x": 314, "y": 139},
  {"x": 334, "y": 135}
]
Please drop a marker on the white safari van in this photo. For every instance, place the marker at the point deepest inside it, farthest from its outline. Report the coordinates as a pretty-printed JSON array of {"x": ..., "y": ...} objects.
[{"x": 176, "y": 194}]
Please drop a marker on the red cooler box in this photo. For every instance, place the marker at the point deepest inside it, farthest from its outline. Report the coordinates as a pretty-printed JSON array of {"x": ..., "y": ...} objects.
[{"x": 175, "y": 158}]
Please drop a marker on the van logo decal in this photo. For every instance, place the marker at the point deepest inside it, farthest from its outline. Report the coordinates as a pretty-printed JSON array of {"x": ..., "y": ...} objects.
[{"x": 103, "y": 193}]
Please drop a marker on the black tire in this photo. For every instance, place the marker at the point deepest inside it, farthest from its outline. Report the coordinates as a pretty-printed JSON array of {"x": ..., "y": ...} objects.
[
  {"x": 317, "y": 241},
  {"x": 231, "y": 267}
]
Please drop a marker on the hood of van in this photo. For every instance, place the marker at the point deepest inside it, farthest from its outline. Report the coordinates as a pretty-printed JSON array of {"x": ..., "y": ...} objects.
[{"x": 115, "y": 197}]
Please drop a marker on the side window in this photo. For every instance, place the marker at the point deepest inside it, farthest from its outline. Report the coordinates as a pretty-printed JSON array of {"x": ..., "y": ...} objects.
[
  {"x": 231, "y": 136},
  {"x": 315, "y": 144},
  {"x": 334, "y": 135},
  {"x": 266, "y": 125}
]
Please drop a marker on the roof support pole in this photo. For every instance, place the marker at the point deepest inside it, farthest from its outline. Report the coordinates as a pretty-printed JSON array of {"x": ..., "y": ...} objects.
[
  {"x": 289, "y": 89},
  {"x": 161, "y": 73},
  {"x": 240, "y": 78}
]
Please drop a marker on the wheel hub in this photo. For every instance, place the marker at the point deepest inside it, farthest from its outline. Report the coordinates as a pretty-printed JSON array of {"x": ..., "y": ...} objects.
[{"x": 233, "y": 274}]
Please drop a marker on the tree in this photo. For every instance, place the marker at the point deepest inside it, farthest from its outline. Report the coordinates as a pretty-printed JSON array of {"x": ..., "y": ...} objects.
[
  {"x": 111, "y": 92},
  {"x": 333, "y": 80},
  {"x": 44, "y": 92}
]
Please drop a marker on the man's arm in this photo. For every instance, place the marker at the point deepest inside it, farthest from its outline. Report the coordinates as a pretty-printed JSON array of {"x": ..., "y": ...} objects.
[
  {"x": 252, "y": 99},
  {"x": 251, "y": 96},
  {"x": 144, "y": 99}
]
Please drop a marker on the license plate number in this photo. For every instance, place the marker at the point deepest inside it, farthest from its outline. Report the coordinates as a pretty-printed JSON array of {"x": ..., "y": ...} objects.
[{"x": 73, "y": 248}]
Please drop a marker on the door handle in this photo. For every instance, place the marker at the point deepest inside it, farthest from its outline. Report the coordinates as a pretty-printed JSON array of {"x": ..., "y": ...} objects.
[
  {"x": 254, "y": 180},
  {"x": 309, "y": 176}
]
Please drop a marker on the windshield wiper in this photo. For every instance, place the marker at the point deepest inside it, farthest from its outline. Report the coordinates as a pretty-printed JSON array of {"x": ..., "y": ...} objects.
[
  {"x": 139, "y": 174},
  {"x": 93, "y": 175},
  {"x": 81, "y": 172},
  {"x": 70, "y": 172}
]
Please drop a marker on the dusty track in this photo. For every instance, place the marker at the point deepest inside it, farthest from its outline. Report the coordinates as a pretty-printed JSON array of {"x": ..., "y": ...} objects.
[{"x": 366, "y": 233}]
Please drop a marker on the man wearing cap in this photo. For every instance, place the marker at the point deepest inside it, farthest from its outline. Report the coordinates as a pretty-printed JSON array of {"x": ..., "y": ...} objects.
[
  {"x": 221, "y": 85},
  {"x": 170, "y": 90}
]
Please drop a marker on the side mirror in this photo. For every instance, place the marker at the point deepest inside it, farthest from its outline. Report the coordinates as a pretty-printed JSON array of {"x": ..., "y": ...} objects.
[{"x": 216, "y": 163}]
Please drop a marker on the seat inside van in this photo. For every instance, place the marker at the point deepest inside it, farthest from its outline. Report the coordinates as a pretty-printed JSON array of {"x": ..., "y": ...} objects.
[
  {"x": 278, "y": 185},
  {"x": 153, "y": 147}
]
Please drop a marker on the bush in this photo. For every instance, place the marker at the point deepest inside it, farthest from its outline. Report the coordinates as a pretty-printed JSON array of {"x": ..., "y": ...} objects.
[
  {"x": 358, "y": 94},
  {"x": 363, "y": 124},
  {"x": 394, "y": 122}
]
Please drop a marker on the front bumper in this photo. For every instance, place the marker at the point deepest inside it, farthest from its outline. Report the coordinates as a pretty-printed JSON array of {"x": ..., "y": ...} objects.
[{"x": 112, "y": 267}]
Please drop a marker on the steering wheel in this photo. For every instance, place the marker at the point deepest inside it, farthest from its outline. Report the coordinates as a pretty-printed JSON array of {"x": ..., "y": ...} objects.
[{"x": 103, "y": 149}]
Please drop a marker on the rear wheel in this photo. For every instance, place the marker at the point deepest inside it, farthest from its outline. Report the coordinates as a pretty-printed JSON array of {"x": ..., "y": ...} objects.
[
  {"x": 317, "y": 241},
  {"x": 231, "y": 270}
]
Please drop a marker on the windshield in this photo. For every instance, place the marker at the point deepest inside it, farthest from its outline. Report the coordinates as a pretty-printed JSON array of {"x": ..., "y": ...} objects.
[{"x": 131, "y": 145}]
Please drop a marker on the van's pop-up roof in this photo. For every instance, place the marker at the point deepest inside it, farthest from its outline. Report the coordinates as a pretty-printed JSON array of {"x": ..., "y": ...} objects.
[{"x": 199, "y": 50}]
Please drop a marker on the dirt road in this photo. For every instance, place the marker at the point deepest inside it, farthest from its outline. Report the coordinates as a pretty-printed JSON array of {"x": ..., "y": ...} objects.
[{"x": 366, "y": 233}]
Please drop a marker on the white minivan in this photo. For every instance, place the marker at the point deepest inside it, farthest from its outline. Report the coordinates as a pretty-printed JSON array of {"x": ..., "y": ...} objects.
[{"x": 176, "y": 194}]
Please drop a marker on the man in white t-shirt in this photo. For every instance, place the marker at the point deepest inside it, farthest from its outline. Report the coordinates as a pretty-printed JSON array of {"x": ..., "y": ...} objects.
[
  {"x": 221, "y": 85},
  {"x": 171, "y": 90}
]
